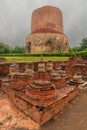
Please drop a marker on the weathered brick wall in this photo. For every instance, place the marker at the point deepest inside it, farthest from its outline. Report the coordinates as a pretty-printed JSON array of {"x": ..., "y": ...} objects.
[
  {"x": 4, "y": 67},
  {"x": 47, "y": 18}
]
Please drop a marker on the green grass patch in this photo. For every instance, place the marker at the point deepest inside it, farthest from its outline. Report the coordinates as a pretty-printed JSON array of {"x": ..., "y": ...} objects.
[{"x": 34, "y": 59}]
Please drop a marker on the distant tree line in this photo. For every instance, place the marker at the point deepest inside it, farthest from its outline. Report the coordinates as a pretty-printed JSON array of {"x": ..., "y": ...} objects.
[
  {"x": 81, "y": 47},
  {"x": 6, "y": 49}
]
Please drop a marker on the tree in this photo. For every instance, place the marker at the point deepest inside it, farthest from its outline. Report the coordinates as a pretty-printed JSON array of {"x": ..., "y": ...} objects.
[
  {"x": 83, "y": 44},
  {"x": 74, "y": 49},
  {"x": 4, "y": 48},
  {"x": 81, "y": 47},
  {"x": 18, "y": 49}
]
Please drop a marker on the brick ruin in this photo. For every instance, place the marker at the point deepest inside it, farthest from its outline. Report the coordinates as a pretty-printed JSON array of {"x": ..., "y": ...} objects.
[
  {"x": 47, "y": 33},
  {"x": 42, "y": 90}
]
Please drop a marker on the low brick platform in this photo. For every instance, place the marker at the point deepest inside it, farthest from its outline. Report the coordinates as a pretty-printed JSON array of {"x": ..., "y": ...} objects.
[
  {"x": 42, "y": 93},
  {"x": 41, "y": 106}
]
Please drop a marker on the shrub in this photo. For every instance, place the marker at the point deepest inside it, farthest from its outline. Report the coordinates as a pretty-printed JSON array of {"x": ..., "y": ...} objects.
[{"x": 50, "y": 54}]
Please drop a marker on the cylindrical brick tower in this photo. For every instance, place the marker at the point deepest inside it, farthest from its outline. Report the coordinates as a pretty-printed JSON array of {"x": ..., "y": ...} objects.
[
  {"x": 47, "y": 19},
  {"x": 47, "y": 31}
]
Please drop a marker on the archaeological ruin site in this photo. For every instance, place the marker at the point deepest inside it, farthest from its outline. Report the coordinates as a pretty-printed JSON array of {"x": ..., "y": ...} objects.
[{"x": 41, "y": 90}]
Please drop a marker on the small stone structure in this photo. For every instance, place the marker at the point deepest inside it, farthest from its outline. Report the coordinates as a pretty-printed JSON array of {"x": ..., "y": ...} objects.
[{"x": 47, "y": 31}]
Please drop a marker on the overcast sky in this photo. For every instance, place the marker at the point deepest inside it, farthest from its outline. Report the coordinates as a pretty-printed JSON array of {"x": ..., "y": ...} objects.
[{"x": 15, "y": 19}]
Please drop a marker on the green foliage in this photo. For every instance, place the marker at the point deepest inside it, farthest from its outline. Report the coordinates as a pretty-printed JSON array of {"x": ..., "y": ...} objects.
[
  {"x": 18, "y": 49},
  {"x": 82, "y": 53},
  {"x": 83, "y": 44},
  {"x": 81, "y": 47},
  {"x": 4, "y": 48},
  {"x": 56, "y": 54},
  {"x": 74, "y": 49}
]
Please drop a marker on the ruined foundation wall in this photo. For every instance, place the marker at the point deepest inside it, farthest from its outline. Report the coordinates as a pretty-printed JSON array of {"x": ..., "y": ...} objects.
[{"x": 4, "y": 67}]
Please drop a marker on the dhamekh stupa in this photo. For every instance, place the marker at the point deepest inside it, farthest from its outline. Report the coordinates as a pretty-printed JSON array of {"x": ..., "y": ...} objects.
[{"x": 47, "y": 33}]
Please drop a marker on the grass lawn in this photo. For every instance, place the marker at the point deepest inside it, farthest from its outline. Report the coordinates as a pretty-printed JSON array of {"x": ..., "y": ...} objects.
[{"x": 35, "y": 59}]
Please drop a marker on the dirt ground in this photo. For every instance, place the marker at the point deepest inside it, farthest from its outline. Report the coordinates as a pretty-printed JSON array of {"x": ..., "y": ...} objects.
[{"x": 72, "y": 118}]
